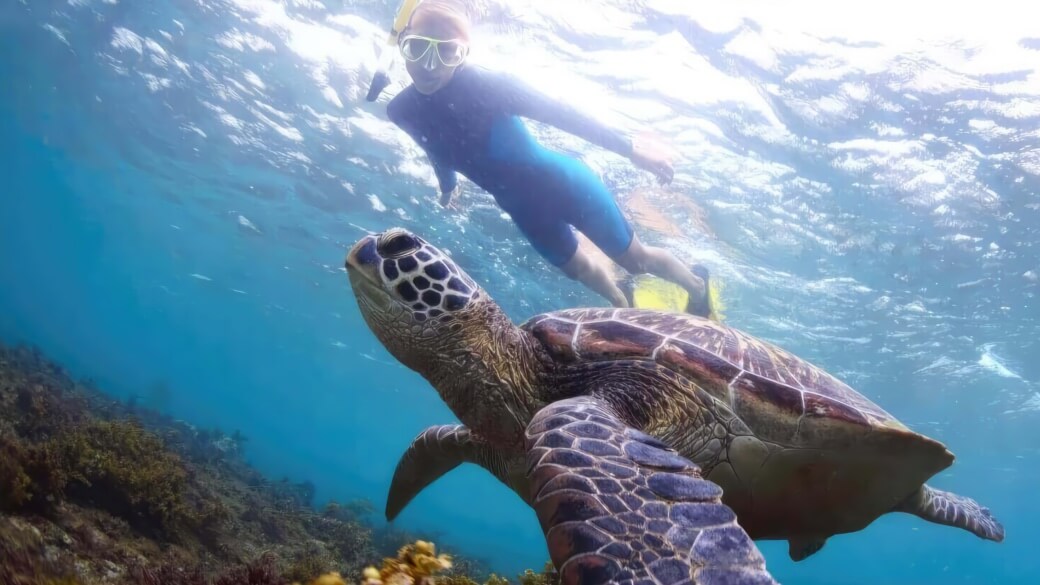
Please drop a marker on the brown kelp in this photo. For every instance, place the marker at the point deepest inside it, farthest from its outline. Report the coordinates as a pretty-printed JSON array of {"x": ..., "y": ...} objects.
[{"x": 98, "y": 490}]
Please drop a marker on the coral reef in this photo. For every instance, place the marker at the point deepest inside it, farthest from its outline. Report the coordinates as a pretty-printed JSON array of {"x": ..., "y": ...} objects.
[
  {"x": 415, "y": 564},
  {"x": 99, "y": 491}
]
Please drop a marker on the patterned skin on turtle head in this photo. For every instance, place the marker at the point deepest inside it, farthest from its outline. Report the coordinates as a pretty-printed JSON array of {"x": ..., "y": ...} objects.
[
  {"x": 435, "y": 320},
  {"x": 419, "y": 276},
  {"x": 409, "y": 292}
]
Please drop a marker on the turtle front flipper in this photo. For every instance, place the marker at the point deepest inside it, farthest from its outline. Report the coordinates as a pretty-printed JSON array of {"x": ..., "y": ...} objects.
[
  {"x": 800, "y": 549},
  {"x": 619, "y": 506},
  {"x": 953, "y": 510},
  {"x": 439, "y": 449}
]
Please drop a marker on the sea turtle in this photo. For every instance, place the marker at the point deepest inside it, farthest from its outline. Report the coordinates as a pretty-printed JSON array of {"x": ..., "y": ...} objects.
[{"x": 799, "y": 455}]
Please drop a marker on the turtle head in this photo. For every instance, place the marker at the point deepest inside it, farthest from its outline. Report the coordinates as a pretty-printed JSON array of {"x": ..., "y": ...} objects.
[
  {"x": 415, "y": 299},
  {"x": 434, "y": 319}
]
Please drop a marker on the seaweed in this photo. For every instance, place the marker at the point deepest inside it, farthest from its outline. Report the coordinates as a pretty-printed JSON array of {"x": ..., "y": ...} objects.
[
  {"x": 169, "y": 575},
  {"x": 314, "y": 561},
  {"x": 23, "y": 558},
  {"x": 548, "y": 576},
  {"x": 95, "y": 490},
  {"x": 15, "y": 484},
  {"x": 415, "y": 563},
  {"x": 122, "y": 468},
  {"x": 263, "y": 571},
  {"x": 116, "y": 466}
]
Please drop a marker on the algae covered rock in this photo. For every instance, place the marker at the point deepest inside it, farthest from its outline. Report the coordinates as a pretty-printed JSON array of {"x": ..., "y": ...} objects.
[{"x": 98, "y": 491}]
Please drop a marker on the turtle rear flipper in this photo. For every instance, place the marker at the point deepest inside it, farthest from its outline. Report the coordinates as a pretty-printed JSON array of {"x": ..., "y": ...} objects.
[
  {"x": 436, "y": 451},
  {"x": 953, "y": 510},
  {"x": 619, "y": 506}
]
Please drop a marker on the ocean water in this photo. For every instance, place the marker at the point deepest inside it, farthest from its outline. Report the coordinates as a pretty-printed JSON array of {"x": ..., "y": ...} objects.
[{"x": 181, "y": 181}]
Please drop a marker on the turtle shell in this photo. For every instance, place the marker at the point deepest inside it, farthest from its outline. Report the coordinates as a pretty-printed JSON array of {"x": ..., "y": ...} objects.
[
  {"x": 781, "y": 397},
  {"x": 799, "y": 454}
]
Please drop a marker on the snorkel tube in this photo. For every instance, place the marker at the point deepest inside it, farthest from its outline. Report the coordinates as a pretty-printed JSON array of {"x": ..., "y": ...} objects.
[{"x": 381, "y": 79}]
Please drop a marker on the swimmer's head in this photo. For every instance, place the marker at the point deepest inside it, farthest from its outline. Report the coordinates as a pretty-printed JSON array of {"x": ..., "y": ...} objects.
[{"x": 431, "y": 64}]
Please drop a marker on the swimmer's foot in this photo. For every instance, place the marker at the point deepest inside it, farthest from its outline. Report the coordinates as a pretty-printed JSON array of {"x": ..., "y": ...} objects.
[
  {"x": 627, "y": 286},
  {"x": 700, "y": 305}
]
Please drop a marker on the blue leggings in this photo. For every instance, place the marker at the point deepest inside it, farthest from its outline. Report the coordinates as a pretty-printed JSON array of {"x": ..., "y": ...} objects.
[{"x": 567, "y": 193}]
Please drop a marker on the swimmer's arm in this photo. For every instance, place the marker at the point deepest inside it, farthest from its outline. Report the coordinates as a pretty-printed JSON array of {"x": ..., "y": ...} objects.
[
  {"x": 447, "y": 180},
  {"x": 523, "y": 100},
  {"x": 448, "y": 197}
]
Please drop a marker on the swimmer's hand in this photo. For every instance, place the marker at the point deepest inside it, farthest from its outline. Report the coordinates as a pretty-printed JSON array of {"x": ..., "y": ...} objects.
[
  {"x": 448, "y": 199},
  {"x": 650, "y": 154}
]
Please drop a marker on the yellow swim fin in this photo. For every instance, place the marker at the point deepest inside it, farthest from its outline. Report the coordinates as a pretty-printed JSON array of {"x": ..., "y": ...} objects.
[
  {"x": 716, "y": 307},
  {"x": 645, "y": 291},
  {"x": 651, "y": 292}
]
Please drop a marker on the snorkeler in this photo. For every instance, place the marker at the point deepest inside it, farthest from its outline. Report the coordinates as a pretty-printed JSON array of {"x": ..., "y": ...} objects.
[{"x": 467, "y": 120}]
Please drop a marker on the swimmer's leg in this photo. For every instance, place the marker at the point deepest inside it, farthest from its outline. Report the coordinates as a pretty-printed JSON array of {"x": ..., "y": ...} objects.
[
  {"x": 639, "y": 258},
  {"x": 592, "y": 273},
  {"x": 554, "y": 240},
  {"x": 594, "y": 211}
]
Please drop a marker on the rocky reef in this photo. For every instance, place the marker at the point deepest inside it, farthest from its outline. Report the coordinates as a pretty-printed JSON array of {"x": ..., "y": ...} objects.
[{"x": 95, "y": 490}]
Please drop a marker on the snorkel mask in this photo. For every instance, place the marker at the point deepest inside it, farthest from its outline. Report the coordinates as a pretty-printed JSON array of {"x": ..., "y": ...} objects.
[
  {"x": 430, "y": 53},
  {"x": 450, "y": 52}
]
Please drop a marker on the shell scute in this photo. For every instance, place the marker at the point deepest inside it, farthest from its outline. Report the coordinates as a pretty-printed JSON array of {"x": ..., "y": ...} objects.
[
  {"x": 819, "y": 406},
  {"x": 767, "y": 406},
  {"x": 711, "y": 371},
  {"x": 713, "y": 356},
  {"x": 785, "y": 399},
  {"x": 556, "y": 335},
  {"x": 606, "y": 340}
]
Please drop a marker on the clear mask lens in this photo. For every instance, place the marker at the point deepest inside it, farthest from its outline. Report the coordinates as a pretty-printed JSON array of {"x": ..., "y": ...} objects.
[
  {"x": 449, "y": 53},
  {"x": 414, "y": 48}
]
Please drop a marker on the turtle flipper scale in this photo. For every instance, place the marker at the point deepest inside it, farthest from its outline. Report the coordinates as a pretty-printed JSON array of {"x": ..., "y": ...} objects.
[
  {"x": 953, "y": 510},
  {"x": 619, "y": 506},
  {"x": 436, "y": 451}
]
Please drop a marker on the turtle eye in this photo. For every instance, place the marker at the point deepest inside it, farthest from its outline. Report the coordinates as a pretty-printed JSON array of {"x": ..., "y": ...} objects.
[{"x": 397, "y": 244}]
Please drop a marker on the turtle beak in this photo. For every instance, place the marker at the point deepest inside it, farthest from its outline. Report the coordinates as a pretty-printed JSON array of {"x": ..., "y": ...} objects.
[
  {"x": 363, "y": 260},
  {"x": 363, "y": 265}
]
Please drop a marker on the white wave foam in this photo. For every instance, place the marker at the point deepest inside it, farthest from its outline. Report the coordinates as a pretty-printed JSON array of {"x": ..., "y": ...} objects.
[
  {"x": 287, "y": 131},
  {"x": 377, "y": 204},
  {"x": 886, "y": 131},
  {"x": 254, "y": 79},
  {"x": 994, "y": 363},
  {"x": 1032, "y": 404},
  {"x": 56, "y": 32},
  {"x": 155, "y": 83},
  {"x": 244, "y": 222},
  {"x": 754, "y": 48},
  {"x": 124, "y": 38},
  {"x": 990, "y": 130},
  {"x": 240, "y": 41}
]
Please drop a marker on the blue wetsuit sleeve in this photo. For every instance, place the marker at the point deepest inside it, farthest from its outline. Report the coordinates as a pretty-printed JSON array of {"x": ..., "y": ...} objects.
[
  {"x": 521, "y": 99},
  {"x": 446, "y": 176},
  {"x": 400, "y": 114}
]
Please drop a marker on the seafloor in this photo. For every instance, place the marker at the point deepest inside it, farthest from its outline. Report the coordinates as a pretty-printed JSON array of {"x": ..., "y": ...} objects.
[{"x": 96, "y": 490}]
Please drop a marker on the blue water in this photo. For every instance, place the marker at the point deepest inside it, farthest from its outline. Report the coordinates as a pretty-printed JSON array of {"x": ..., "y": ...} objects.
[{"x": 181, "y": 181}]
